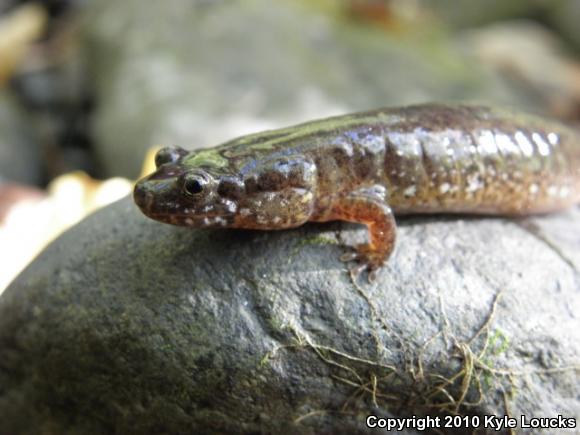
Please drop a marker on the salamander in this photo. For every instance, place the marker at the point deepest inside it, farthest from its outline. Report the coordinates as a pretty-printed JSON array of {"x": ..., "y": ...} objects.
[{"x": 366, "y": 167}]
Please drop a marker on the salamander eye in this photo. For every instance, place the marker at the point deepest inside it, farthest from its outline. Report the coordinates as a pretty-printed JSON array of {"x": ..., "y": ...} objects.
[
  {"x": 168, "y": 155},
  {"x": 194, "y": 185}
]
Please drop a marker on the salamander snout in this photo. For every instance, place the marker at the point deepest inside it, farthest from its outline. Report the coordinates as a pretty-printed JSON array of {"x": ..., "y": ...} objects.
[
  {"x": 157, "y": 194},
  {"x": 142, "y": 196},
  {"x": 188, "y": 196}
]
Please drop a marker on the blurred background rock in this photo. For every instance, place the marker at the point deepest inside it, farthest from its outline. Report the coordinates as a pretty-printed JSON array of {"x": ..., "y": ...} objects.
[{"x": 91, "y": 86}]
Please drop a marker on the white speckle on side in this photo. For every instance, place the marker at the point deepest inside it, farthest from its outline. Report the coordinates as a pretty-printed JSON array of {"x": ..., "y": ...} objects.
[
  {"x": 345, "y": 145},
  {"x": 543, "y": 146},
  {"x": 405, "y": 143},
  {"x": 220, "y": 221},
  {"x": 505, "y": 144},
  {"x": 245, "y": 211},
  {"x": 534, "y": 188},
  {"x": 472, "y": 149},
  {"x": 486, "y": 143},
  {"x": 523, "y": 142},
  {"x": 277, "y": 219},
  {"x": 206, "y": 221},
  {"x": 231, "y": 206},
  {"x": 444, "y": 188},
  {"x": 410, "y": 191},
  {"x": 504, "y": 176},
  {"x": 189, "y": 221},
  {"x": 553, "y": 138},
  {"x": 437, "y": 141},
  {"x": 207, "y": 208},
  {"x": 552, "y": 190},
  {"x": 377, "y": 190},
  {"x": 261, "y": 219},
  {"x": 348, "y": 149},
  {"x": 373, "y": 143},
  {"x": 307, "y": 197},
  {"x": 474, "y": 183}
]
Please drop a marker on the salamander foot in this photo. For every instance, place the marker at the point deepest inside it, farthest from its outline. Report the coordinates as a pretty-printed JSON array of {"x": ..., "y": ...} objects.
[{"x": 369, "y": 259}]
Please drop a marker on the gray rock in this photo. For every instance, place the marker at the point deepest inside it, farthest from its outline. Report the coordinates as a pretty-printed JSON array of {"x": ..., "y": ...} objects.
[
  {"x": 565, "y": 16},
  {"x": 195, "y": 74},
  {"x": 125, "y": 325},
  {"x": 560, "y": 16},
  {"x": 468, "y": 13},
  {"x": 20, "y": 160},
  {"x": 522, "y": 51}
]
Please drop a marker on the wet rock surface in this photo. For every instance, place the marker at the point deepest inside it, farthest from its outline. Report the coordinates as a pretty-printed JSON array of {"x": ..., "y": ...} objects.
[{"x": 127, "y": 325}]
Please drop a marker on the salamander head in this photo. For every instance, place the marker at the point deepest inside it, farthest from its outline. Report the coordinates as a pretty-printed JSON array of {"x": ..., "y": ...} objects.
[{"x": 205, "y": 189}]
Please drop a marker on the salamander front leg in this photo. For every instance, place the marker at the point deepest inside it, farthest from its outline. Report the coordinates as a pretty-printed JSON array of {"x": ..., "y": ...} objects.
[{"x": 372, "y": 210}]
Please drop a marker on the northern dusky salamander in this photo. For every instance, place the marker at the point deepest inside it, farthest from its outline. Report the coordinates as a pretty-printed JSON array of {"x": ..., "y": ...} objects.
[{"x": 365, "y": 167}]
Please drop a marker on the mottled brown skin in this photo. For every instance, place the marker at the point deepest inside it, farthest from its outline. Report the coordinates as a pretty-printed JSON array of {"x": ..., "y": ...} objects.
[{"x": 364, "y": 167}]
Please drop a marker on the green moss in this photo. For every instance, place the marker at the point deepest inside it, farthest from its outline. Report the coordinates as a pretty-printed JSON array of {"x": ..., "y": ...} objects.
[
  {"x": 311, "y": 240},
  {"x": 317, "y": 240},
  {"x": 498, "y": 342}
]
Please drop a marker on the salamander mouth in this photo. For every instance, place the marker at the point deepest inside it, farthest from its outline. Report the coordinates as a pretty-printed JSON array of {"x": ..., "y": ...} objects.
[{"x": 206, "y": 221}]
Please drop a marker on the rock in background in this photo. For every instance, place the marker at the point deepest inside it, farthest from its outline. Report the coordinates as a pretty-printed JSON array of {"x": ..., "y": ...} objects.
[
  {"x": 20, "y": 155},
  {"x": 561, "y": 15},
  {"x": 198, "y": 73},
  {"x": 566, "y": 16}
]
